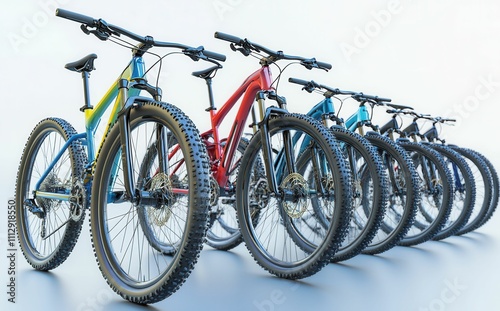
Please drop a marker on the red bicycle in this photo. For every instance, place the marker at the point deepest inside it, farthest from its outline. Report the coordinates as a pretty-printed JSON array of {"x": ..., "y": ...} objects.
[{"x": 250, "y": 201}]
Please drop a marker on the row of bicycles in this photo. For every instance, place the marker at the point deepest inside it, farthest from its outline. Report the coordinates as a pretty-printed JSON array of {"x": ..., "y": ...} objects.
[{"x": 299, "y": 190}]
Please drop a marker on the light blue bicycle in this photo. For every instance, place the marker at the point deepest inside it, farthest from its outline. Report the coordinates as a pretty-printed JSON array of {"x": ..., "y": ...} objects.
[{"x": 401, "y": 187}]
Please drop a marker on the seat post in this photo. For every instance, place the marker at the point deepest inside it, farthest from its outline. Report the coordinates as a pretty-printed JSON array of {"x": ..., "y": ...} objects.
[
  {"x": 86, "y": 91},
  {"x": 210, "y": 94}
]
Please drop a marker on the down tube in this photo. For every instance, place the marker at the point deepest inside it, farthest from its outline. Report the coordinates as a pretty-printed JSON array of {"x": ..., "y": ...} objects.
[{"x": 237, "y": 131}]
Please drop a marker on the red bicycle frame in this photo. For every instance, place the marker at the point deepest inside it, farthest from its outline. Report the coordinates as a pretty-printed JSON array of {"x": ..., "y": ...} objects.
[{"x": 222, "y": 154}]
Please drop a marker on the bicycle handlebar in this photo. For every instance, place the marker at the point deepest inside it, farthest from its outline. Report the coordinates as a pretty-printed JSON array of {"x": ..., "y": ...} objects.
[
  {"x": 311, "y": 85},
  {"x": 414, "y": 114},
  {"x": 374, "y": 99},
  {"x": 104, "y": 30},
  {"x": 246, "y": 47}
]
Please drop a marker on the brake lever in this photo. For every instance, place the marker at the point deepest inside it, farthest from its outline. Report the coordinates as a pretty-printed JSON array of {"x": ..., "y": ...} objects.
[
  {"x": 308, "y": 88},
  {"x": 309, "y": 63},
  {"x": 243, "y": 50},
  {"x": 195, "y": 53},
  {"x": 101, "y": 31}
]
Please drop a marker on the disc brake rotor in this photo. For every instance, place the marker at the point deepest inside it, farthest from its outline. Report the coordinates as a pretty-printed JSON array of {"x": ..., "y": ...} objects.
[
  {"x": 160, "y": 215},
  {"x": 297, "y": 185}
]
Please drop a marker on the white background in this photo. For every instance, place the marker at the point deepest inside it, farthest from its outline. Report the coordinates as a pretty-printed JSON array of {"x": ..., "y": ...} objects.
[{"x": 441, "y": 57}]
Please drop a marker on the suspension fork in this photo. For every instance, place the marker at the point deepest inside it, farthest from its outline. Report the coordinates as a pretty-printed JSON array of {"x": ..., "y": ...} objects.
[
  {"x": 265, "y": 115},
  {"x": 459, "y": 186},
  {"x": 126, "y": 155},
  {"x": 353, "y": 162},
  {"x": 162, "y": 147},
  {"x": 392, "y": 176},
  {"x": 429, "y": 173},
  {"x": 318, "y": 169}
]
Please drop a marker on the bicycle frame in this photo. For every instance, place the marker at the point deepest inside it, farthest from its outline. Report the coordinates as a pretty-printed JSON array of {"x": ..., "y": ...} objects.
[
  {"x": 259, "y": 81},
  {"x": 93, "y": 116},
  {"x": 432, "y": 135},
  {"x": 428, "y": 167},
  {"x": 320, "y": 112},
  {"x": 324, "y": 108}
]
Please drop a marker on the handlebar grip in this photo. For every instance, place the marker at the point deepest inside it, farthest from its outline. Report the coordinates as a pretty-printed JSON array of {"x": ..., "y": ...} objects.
[
  {"x": 381, "y": 99},
  {"x": 298, "y": 81},
  {"x": 324, "y": 65},
  {"x": 213, "y": 55},
  {"x": 226, "y": 37},
  {"x": 76, "y": 17}
]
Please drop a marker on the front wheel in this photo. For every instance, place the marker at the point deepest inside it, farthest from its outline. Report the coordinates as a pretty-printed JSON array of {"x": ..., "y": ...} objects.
[
  {"x": 370, "y": 195},
  {"x": 464, "y": 191},
  {"x": 147, "y": 250},
  {"x": 288, "y": 213},
  {"x": 404, "y": 195},
  {"x": 435, "y": 190},
  {"x": 486, "y": 194}
]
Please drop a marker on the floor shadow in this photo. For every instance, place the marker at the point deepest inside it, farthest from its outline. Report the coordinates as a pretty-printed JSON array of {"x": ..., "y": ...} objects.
[{"x": 123, "y": 305}]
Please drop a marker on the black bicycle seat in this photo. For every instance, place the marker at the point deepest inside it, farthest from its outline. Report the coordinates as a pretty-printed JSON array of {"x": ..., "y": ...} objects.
[
  {"x": 206, "y": 73},
  {"x": 84, "y": 64}
]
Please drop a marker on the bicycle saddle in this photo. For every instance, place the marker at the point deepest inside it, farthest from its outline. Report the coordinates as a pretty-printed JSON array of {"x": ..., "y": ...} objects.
[
  {"x": 206, "y": 73},
  {"x": 84, "y": 64}
]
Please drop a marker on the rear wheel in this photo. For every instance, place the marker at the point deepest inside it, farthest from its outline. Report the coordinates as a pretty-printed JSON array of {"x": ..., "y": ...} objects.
[
  {"x": 48, "y": 227},
  {"x": 223, "y": 232}
]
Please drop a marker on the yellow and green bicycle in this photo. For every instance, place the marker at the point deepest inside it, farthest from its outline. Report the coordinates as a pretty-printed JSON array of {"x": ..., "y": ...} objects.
[{"x": 61, "y": 175}]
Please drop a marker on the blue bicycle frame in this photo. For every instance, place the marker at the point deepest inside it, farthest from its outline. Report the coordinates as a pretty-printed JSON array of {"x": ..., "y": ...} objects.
[
  {"x": 325, "y": 108},
  {"x": 320, "y": 112},
  {"x": 135, "y": 69}
]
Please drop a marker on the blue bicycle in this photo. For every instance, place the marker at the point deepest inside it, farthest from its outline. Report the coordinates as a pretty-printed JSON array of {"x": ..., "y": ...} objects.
[
  {"x": 401, "y": 188},
  {"x": 146, "y": 234}
]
